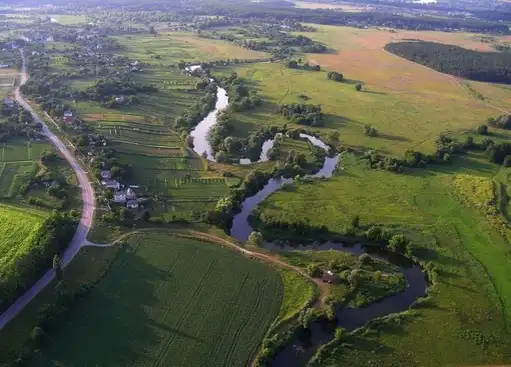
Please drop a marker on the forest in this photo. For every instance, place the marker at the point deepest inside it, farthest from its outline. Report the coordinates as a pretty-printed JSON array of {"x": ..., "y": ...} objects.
[{"x": 493, "y": 67}]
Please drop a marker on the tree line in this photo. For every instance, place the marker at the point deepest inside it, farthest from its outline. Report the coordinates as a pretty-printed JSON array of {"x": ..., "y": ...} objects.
[{"x": 493, "y": 67}]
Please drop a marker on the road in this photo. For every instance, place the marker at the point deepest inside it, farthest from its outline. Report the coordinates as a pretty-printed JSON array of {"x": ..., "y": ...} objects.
[{"x": 88, "y": 199}]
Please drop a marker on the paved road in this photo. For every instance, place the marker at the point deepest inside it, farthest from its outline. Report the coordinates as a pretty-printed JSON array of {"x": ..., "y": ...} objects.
[{"x": 88, "y": 198}]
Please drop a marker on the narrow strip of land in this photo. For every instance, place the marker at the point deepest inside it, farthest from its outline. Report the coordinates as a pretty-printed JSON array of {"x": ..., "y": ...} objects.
[{"x": 88, "y": 209}]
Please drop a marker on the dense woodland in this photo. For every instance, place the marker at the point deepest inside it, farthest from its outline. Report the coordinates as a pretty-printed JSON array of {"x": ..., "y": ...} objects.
[{"x": 493, "y": 67}]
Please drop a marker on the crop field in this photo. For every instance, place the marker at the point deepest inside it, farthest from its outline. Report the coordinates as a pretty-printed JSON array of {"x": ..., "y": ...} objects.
[
  {"x": 171, "y": 301},
  {"x": 472, "y": 297},
  {"x": 16, "y": 231},
  {"x": 407, "y": 103}
]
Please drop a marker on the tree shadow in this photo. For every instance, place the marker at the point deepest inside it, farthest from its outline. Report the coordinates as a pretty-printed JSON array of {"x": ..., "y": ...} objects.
[
  {"x": 391, "y": 137},
  {"x": 351, "y": 81},
  {"x": 374, "y": 92}
]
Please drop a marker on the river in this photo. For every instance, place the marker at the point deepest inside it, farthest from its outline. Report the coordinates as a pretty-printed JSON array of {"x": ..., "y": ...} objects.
[
  {"x": 200, "y": 133},
  {"x": 299, "y": 352}
]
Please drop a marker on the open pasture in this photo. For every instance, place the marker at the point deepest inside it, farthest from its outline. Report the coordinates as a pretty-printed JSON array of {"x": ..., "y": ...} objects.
[
  {"x": 472, "y": 294},
  {"x": 171, "y": 301},
  {"x": 407, "y": 103}
]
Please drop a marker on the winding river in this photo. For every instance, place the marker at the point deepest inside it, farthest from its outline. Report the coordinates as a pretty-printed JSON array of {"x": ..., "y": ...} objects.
[
  {"x": 200, "y": 133},
  {"x": 299, "y": 352}
]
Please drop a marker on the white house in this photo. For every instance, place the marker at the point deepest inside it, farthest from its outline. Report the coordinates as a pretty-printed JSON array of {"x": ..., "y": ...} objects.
[
  {"x": 120, "y": 197},
  {"x": 132, "y": 204},
  {"x": 111, "y": 184},
  {"x": 106, "y": 175}
]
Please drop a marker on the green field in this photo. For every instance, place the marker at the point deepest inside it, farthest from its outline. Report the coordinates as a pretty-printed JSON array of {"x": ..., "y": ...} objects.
[
  {"x": 171, "y": 301},
  {"x": 473, "y": 293},
  {"x": 16, "y": 232}
]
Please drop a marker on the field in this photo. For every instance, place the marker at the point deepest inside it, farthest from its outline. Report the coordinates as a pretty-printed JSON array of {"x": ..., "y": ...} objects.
[
  {"x": 16, "y": 232},
  {"x": 17, "y": 165},
  {"x": 473, "y": 293},
  {"x": 407, "y": 103},
  {"x": 142, "y": 134},
  {"x": 171, "y": 301}
]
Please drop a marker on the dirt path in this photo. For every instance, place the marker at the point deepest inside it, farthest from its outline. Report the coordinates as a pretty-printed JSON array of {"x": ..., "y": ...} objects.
[{"x": 88, "y": 199}]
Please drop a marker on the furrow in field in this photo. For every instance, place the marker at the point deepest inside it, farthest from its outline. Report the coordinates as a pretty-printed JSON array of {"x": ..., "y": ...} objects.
[{"x": 187, "y": 310}]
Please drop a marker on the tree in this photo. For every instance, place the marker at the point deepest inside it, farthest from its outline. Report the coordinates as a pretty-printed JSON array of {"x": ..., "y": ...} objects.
[
  {"x": 57, "y": 266},
  {"x": 152, "y": 30},
  {"x": 314, "y": 270},
  {"x": 221, "y": 157},
  {"x": 507, "y": 161},
  {"x": 355, "y": 221},
  {"x": 292, "y": 64},
  {"x": 358, "y": 87},
  {"x": 482, "y": 130},
  {"x": 369, "y": 130},
  {"x": 399, "y": 243},
  {"x": 333, "y": 137},
  {"x": 255, "y": 238}
]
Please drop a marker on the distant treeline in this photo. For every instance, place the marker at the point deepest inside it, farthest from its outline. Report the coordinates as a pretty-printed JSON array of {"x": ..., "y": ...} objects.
[{"x": 493, "y": 67}]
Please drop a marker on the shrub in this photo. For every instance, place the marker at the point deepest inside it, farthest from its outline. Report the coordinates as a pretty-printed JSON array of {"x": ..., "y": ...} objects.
[
  {"x": 355, "y": 221},
  {"x": 482, "y": 130},
  {"x": 373, "y": 234},
  {"x": 358, "y": 87},
  {"x": 399, "y": 243},
  {"x": 255, "y": 238},
  {"x": 314, "y": 270}
]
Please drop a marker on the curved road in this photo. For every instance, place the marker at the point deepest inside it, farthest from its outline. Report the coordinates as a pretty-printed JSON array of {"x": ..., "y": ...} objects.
[{"x": 88, "y": 198}]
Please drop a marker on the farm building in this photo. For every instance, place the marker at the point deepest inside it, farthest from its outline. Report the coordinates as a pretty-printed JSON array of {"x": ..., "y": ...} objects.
[
  {"x": 68, "y": 117},
  {"x": 111, "y": 184},
  {"x": 120, "y": 197},
  {"x": 132, "y": 204}
]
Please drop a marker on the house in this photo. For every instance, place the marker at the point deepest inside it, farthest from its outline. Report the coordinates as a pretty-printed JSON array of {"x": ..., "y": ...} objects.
[
  {"x": 120, "y": 197},
  {"x": 119, "y": 99},
  {"x": 68, "y": 117},
  {"x": 106, "y": 175},
  {"x": 132, "y": 204},
  {"x": 130, "y": 194},
  {"x": 9, "y": 102},
  {"x": 4, "y": 66},
  {"x": 111, "y": 184}
]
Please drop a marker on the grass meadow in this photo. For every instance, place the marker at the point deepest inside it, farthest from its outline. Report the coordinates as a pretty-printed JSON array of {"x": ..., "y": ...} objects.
[
  {"x": 171, "y": 301},
  {"x": 407, "y": 103},
  {"x": 473, "y": 293}
]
